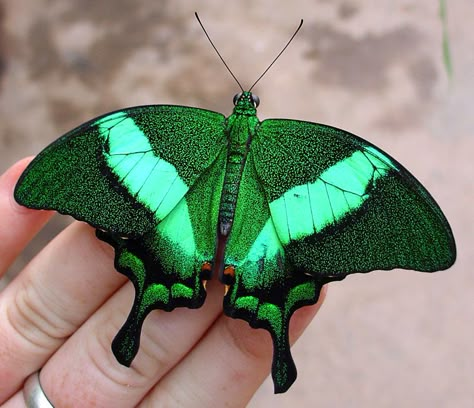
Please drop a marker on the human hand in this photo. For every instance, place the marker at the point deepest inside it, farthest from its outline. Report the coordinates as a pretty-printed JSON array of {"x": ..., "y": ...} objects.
[{"x": 62, "y": 311}]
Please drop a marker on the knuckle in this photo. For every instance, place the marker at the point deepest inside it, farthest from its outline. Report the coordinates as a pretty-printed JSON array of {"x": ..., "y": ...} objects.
[{"x": 32, "y": 318}]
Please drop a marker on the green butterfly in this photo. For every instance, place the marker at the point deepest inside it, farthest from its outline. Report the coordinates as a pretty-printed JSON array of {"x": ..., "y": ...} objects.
[{"x": 276, "y": 209}]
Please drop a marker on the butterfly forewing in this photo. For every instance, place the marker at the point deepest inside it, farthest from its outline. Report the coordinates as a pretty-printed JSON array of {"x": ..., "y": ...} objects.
[
  {"x": 340, "y": 205},
  {"x": 125, "y": 171}
]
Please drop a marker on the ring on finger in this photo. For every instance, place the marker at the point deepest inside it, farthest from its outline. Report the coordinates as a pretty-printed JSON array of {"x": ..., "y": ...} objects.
[{"x": 34, "y": 394}]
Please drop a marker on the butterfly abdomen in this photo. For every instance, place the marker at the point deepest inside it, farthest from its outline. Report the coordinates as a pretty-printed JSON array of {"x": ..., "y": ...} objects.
[{"x": 235, "y": 163}]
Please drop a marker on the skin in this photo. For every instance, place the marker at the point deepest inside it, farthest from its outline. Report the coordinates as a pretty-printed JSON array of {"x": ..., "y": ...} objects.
[{"x": 62, "y": 311}]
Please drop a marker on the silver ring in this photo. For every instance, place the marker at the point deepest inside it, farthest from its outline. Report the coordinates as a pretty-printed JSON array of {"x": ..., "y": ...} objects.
[{"x": 33, "y": 393}]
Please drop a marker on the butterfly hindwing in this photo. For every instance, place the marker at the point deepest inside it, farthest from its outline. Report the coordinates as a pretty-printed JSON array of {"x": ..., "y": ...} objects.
[
  {"x": 165, "y": 264},
  {"x": 267, "y": 289}
]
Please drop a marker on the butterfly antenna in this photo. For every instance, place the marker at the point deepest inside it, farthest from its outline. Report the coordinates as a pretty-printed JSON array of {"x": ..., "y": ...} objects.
[
  {"x": 218, "y": 53},
  {"x": 278, "y": 56}
]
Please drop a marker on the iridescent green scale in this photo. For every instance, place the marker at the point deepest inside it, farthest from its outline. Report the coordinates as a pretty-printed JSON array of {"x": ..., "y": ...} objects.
[{"x": 276, "y": 209}]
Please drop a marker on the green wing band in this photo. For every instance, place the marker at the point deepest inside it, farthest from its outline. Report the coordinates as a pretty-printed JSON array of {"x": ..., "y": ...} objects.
[
  {"x": 130, "y": 157},
  {"x": 338, "y": 191}
]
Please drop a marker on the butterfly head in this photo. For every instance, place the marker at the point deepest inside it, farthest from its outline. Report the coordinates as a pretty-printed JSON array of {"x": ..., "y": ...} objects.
[{"x": 246, "y": 103}]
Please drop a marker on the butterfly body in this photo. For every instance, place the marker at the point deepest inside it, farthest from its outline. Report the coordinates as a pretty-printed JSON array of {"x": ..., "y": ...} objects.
[
  {"x": 240, "y": 128},
  {"x": 274, "y": 209}
]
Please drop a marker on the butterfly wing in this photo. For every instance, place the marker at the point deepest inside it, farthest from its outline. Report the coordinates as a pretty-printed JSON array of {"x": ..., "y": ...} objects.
[
  {"x": 331, "y": 204},
  {"x": 146, "y": 178}
]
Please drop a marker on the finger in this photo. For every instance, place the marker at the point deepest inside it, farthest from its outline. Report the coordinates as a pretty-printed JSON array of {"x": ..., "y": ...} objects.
[
  {"x": 55, "y": 293},
  {"x": 84, "y": 371},
  {"x": 227, "y": 367},
  {"x": 18, "y": 224}
]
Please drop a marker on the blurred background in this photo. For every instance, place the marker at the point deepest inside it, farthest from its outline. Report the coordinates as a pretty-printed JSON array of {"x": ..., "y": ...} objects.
[{"x": 375, "y": 68}]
